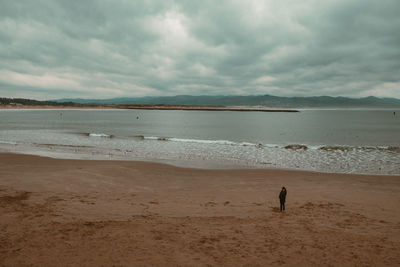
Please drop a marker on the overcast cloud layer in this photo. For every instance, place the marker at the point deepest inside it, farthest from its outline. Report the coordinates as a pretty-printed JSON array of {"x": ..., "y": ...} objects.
[{"x": 102, "y": 49}]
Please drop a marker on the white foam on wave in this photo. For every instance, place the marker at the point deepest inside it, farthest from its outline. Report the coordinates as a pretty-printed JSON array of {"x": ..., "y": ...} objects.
[
  {"x": 8, "y": 142},
  {"x": 99, "y": 135},
  {"x": 200, "y": 141},
  {"x": 150, "y": 137},
  {"x": 341, "y": 148},
  {"x": 344, "y": 148},
  {"x": 293, "y": 146}
]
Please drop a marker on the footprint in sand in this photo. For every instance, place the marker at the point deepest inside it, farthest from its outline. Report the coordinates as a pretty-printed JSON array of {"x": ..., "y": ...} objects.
[
  {"x": 210, "y": 204},
  {"x": 275, "y": 209}
]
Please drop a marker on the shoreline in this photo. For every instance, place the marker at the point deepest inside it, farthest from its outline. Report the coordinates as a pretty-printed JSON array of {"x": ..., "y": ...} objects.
[
  {"x": 130, "y": 213},
  {"x": 152, "y": 107},
  {"x": 199, "y": 167},
  {"x": 185, "y": 164}
]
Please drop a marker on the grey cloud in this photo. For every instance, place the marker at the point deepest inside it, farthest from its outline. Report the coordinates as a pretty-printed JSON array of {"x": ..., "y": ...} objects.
[{"x": 134, "y": 48}]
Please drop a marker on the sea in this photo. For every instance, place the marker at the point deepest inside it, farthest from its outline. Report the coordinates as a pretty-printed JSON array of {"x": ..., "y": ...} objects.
[{"x": 332, "y": 141}]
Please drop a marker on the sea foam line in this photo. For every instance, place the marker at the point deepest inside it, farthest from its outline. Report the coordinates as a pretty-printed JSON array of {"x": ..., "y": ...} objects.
[
  {"x": 341, "y": 148},
  {"x": 99, "y": 135},
  {"x": 199, "y": 141},
  {"x": 8, "y": 142}
]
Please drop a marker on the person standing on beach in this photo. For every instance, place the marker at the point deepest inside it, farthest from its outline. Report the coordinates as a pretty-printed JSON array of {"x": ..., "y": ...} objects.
[{"x": 282, "y": 198}]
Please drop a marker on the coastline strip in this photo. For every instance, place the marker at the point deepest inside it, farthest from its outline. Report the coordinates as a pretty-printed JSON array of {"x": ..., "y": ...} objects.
[{"x": 153, "y": 107}]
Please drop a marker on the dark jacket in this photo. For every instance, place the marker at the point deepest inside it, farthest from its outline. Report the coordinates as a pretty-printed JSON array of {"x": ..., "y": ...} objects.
[{"x": 282, "y": 196}]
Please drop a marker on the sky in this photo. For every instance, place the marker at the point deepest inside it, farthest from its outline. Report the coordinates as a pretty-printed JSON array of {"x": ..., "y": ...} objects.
[{"x": 100, "y": 49}]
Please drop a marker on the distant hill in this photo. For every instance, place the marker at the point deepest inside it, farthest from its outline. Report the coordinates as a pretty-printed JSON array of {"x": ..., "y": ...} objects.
[
  {"x": 32, "y": 102},
  {"x": 221, "y": 101},
  {"x": 261, "y": 100}
]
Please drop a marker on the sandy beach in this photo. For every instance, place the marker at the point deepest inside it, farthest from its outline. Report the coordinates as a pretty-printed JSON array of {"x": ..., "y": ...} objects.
[{"x": 57, "y": 212}]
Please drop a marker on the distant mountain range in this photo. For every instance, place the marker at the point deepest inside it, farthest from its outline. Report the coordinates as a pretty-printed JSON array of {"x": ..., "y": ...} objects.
[
  {"x": 260, "y": 100},
  {"x": 189, "y": 100}
]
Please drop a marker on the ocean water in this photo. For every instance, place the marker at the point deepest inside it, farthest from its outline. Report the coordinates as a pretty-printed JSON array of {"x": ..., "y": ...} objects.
[{"x": 337, "y": 141}]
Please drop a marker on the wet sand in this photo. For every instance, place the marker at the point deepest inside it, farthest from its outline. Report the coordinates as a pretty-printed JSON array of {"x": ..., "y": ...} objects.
[{"x": 57, "y": 212}]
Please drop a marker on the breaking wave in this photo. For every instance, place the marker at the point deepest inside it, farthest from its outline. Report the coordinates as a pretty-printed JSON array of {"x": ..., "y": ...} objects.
[
  {"x": 394, "y": 149},
  {"x": 8, "y": 142},
  {"x": 296, "y": 147},
  {"x": 327, "y": 148},
  {"x": 199, "y": 141},
  {"x": 99, "y": 135}
]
